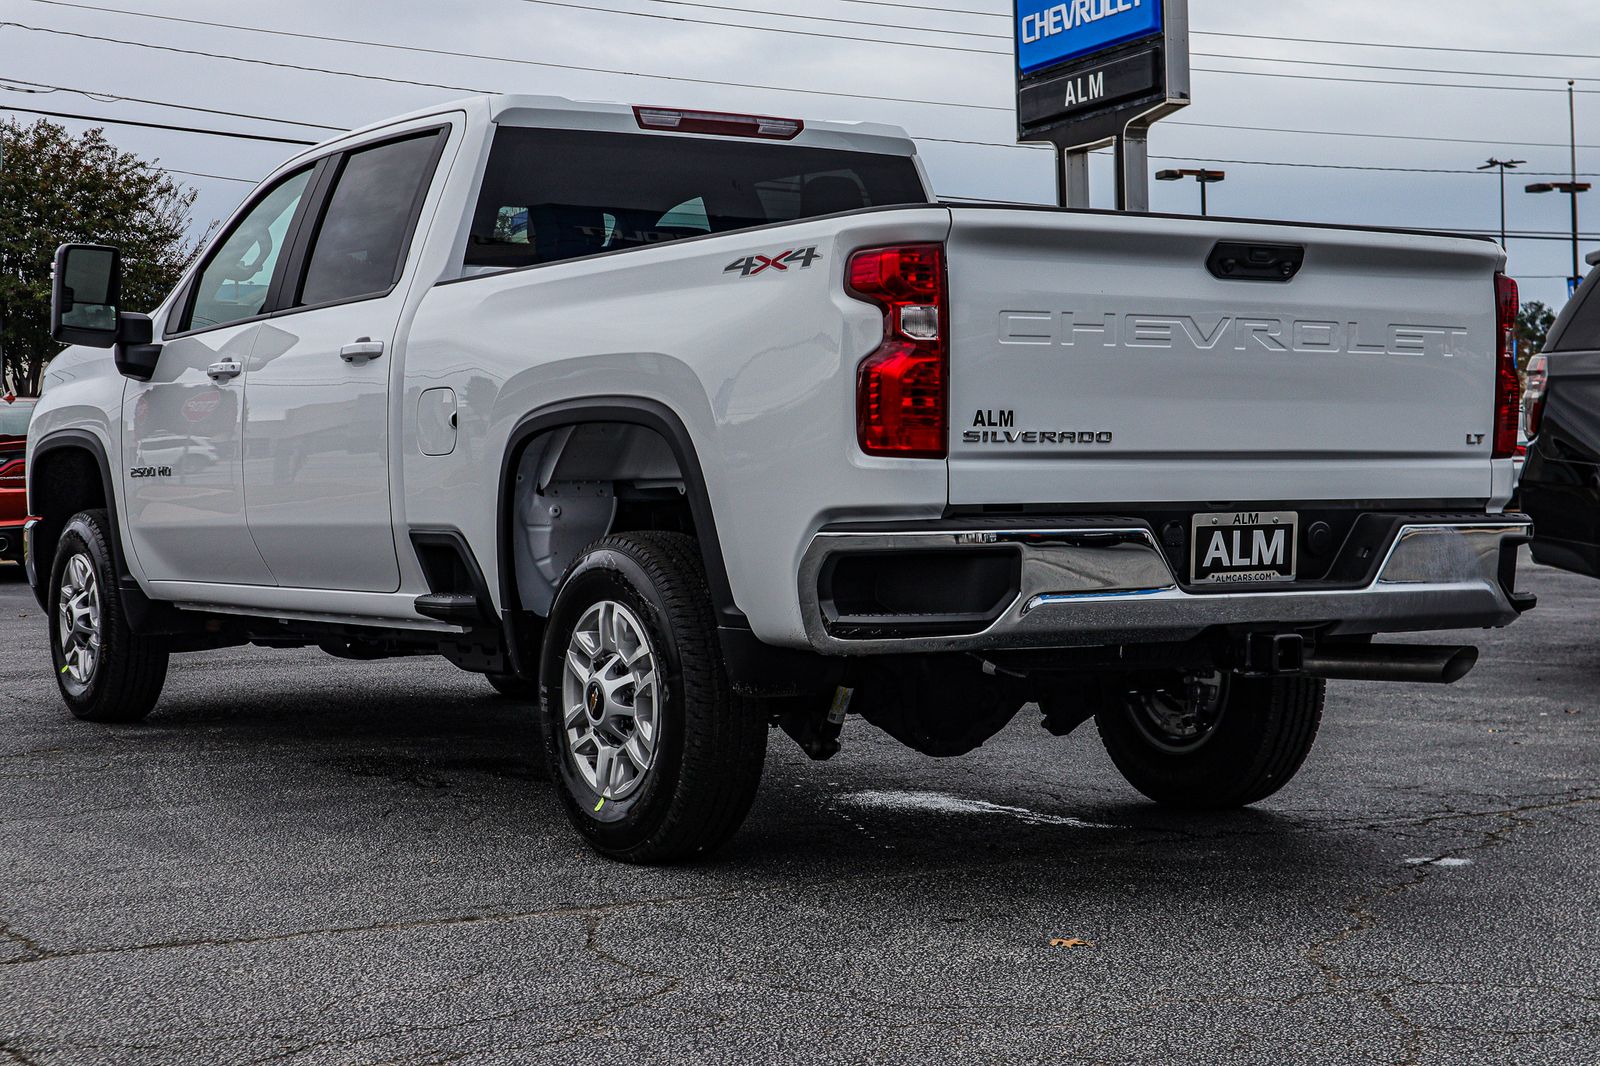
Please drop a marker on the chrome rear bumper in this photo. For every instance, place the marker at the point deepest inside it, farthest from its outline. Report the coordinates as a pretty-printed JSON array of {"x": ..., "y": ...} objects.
[{"x": 1111, "y": 584}]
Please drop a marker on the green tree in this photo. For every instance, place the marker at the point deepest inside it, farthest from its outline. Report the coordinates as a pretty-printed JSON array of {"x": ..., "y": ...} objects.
[
  {"x": 59, "y": 189},
  {"x": 1533, "y": 325}
]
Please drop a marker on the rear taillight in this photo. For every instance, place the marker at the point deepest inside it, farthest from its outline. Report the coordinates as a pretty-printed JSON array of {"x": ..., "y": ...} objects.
[
  {"x": 902, "y": 388},
  {"x": 1507, "y": 388},
  {"x": 1533, "y": 396},
  {"x": 721, "y": 123}
]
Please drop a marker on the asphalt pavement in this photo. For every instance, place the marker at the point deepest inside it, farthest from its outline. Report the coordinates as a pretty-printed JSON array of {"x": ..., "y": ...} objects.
[{"x": 300, "y": 860}]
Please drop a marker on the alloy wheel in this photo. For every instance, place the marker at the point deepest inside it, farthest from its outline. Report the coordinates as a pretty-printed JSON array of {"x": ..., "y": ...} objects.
[
  {"x": 78, "y": 620},
  {"x": 611, "y": 700}
]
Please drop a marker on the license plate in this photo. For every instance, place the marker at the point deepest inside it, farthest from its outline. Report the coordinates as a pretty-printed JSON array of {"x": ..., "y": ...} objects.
[{"x": 1244, "y": 547}]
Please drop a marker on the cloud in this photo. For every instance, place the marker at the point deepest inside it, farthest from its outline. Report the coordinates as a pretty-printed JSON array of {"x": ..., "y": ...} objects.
[{"x": 599, "y": 42}]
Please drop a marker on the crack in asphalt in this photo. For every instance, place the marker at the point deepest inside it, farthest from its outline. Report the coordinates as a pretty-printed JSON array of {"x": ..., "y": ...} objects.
[
  {"x": 37, "y": 952},
  {"x": 1364, "y": 917}
]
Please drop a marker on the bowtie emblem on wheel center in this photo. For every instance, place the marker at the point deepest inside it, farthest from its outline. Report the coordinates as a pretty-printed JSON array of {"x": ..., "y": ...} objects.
[{"x": 594, "y": 700}]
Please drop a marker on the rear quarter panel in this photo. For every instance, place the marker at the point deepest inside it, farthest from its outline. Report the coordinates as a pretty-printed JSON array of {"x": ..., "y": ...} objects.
[{"x": 760, "y": 370}]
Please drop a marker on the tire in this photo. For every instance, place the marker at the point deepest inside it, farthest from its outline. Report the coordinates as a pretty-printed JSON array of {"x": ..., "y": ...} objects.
[
  {"x": 513, "y": 687},
  {"x": 1263, "y": 730},
  {"x": 704, "y": 748},
  {"x": 106, "y": 672}
]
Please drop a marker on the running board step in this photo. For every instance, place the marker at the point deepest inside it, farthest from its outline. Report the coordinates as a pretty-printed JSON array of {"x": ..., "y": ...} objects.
[{"x": 459, "y": 608}]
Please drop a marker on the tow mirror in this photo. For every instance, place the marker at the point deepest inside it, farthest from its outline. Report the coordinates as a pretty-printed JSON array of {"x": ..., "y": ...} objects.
[
  {"x": 84, "y": 309},
  {"x": 84, "y": 296}
]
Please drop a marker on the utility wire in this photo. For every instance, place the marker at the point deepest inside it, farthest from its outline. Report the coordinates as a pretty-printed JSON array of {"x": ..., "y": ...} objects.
[
  {"x": 157, "y": 125},
  {"x": 1375, "y": 136},
  {"x": 1006, "y": 51},
  {"x": 1382, "y": 44},
  {"x": 943, "y": 140},
  {"x": 635, "y": 74},
  {"x": 239, "y": 59},
  {"x": 1385, "y": 66},
  {"x": 1007, "y": 37},
  {"x": 106, "y": 98},
  {"x": 1393, "y": 81},
  {"x": 768, "y": 29},
  {"x": 1258, "y": 36},
  {"x": 419, "y": 50}
]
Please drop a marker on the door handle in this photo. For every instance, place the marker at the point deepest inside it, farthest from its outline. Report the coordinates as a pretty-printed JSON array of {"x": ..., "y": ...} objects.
[
  {"x": 222, "y": 371},
  {"x": 362, "y": 350}
]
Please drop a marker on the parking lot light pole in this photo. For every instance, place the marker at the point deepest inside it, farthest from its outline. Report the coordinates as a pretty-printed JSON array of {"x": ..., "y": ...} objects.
[
  {"x": 1572, "y": 189},
  {"x": 1204, "y": 177},
  {"x": 1504, "y": 165}
]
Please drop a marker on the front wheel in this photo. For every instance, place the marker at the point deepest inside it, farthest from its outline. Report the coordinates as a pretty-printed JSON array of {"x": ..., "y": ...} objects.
[
  {"x": 106, "y": 672},
  {"x": 1212, "y": 741},
  {"x": 654, "y": 758}
]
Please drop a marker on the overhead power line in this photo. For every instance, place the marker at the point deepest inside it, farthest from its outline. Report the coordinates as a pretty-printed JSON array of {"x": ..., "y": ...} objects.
[
  {"x": 238, "y": 59},
  {"x": 1386, "y": 66},
  {"x": 1377, "y": 136},
  {"x": 936, "y": 9},
  {"x": 105, "y": 98},
  {"x": 417, "y": 49},
  {"x": 420, "y": 50},
  {"x": 157, "y": 125},
  {"x": 944, "y": 140},
  {"x": 1385, "y": 44},
  {"x": 767, "y": 29},
  {"x": 1395, "y": 81}
]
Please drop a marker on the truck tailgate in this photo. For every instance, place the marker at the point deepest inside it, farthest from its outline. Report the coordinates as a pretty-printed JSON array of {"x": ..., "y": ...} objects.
[{"x": 1098, "y": 359}]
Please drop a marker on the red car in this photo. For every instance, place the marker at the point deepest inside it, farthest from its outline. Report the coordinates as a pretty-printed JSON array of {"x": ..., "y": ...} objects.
[{"x": 14, "y": 414}]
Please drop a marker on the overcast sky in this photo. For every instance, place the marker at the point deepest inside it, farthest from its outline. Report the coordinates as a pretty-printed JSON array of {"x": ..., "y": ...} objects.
[{"x": 590, "y": 47}]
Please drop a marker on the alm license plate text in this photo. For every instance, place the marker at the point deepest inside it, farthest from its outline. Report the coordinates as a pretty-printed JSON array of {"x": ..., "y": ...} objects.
[{"x": 1244, "y": 546}]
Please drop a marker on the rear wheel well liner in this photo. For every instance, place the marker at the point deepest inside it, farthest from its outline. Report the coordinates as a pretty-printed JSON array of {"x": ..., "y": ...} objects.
[{"x": 627, "y": 410}]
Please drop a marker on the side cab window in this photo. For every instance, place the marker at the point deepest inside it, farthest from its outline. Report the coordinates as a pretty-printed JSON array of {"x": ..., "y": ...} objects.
[
  {"x": 359, "y": 245},
  {"x": 333, "y": 231},
  {"x": 237, "y": 278}
]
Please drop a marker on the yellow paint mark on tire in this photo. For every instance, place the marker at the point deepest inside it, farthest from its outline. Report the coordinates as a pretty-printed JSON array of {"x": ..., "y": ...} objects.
[{"x": 602, "y": 803}]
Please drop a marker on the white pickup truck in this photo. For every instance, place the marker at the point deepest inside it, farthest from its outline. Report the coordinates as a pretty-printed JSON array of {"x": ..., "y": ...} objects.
[{"x": 689, "y": 425}]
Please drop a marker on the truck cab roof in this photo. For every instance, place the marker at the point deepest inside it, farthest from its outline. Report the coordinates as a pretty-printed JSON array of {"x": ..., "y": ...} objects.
[{"x": 557, "y": 112}]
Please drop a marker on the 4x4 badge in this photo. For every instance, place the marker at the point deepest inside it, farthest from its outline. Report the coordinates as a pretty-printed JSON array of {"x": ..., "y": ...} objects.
[{"x": 751, "y": 265}]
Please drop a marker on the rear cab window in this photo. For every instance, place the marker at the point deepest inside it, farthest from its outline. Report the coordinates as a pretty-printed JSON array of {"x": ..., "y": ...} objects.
[{"x": 551, "y": 195}]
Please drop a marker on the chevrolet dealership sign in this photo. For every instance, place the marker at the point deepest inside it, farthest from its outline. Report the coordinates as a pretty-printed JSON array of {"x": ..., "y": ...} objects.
[
  {"x": 1086, "y": 69},
  {"x": 1053, "y": 32}
]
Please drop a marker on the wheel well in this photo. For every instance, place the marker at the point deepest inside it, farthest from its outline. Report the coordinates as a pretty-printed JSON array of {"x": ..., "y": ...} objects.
[
  {"x": 577, "y": 483},
  {"x": 63, "y": 481}
]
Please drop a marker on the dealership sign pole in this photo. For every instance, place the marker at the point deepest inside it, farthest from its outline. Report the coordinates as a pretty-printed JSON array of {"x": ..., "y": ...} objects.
[{"x": 1097, "y": 72}]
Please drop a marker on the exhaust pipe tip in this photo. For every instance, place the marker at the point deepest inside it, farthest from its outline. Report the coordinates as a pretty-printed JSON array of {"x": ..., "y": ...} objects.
[
  {"x": 1458, "y": 665},
  {"x": 1419, "y": 663}
]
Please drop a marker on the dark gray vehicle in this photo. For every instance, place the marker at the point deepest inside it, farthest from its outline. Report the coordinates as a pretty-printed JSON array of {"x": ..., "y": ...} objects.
[{"x": 1561, "y": 481}]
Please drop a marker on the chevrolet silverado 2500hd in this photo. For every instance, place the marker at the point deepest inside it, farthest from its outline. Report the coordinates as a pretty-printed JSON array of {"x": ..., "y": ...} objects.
[{"x": 690, "y": 425}]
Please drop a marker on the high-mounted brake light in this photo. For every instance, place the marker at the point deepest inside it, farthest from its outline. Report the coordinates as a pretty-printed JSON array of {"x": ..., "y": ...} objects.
[
  {"x": 1508, "y": 388},
  {"x": 902, "y": 388},
  {"x": 1538, "y": 373},
  {"x": 717, "y": 122}
]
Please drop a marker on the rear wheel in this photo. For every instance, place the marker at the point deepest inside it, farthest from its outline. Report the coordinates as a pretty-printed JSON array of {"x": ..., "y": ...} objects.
[
  {"x": 654, "y": 758},
  {"x": 1212, "y": 741},
  {"x": 106, "y": 672}
]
